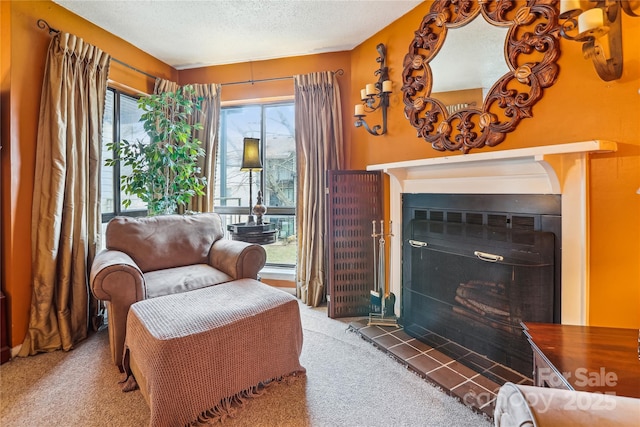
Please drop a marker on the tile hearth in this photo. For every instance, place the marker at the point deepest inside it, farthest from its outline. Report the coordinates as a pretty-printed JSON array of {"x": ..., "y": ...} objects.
[{"x": 462, "y": 373}]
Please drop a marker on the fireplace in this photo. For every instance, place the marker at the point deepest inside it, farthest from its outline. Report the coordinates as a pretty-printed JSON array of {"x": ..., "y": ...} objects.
[
  {"x": 477, "y": 265},
  {"x": 559, "y": 171}
]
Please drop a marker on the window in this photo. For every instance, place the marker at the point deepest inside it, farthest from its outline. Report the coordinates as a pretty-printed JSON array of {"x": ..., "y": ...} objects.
[
  {"x": 273, "y": 124},
  {"x": 121, "y": 121}
]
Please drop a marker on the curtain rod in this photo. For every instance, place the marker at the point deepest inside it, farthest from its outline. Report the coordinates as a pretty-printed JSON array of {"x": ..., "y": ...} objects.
[
  {"x": 134, "y": 68},
  {"x": 339, "y": 72},
  {"x": 42, "y": 24}
]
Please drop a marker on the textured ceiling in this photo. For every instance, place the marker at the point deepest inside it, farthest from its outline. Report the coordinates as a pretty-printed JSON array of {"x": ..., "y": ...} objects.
[{"x": 190, "y": 34}]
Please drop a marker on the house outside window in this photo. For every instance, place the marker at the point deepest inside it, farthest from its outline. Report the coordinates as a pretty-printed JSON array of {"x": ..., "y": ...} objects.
[{"x": 273, "y": 124}]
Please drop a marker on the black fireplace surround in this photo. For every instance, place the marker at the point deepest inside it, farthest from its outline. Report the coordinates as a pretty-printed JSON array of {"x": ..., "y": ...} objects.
[{"x": 477, "y": 265}]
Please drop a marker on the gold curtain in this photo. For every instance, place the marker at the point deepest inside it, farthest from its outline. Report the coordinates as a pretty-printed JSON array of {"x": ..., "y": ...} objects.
[
  {"x": 319, "y": 148},
  {"x": 65, "y": 222},
  {"x": 209, "y": 117}
]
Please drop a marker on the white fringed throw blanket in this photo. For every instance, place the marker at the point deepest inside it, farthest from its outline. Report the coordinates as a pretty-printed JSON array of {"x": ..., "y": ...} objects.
[{"x": 196, "y": 354}]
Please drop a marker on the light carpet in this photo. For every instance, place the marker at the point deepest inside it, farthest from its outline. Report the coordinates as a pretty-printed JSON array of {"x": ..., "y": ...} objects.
[{"x": 348, "y": 383}]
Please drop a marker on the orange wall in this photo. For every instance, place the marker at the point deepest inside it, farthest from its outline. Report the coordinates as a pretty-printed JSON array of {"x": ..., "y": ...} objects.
[
  {"x": 578, "y": 107},
  {"x": 22, "y": 73}
]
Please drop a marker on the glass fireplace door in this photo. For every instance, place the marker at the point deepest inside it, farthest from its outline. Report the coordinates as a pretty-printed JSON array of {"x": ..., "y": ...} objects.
[{"x": 475, "y": 284}]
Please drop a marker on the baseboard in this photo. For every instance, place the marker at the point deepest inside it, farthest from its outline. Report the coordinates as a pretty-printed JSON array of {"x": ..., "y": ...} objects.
[
  {"x": 15, "y": 350},
  {"x": 278, "y": 273}
]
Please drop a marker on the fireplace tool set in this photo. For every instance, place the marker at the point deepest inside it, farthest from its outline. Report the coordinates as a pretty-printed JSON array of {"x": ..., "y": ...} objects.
[{"x": 380, "y": 299}]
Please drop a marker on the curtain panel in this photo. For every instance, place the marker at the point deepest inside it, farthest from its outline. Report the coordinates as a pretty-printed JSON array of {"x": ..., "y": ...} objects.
[
  {"x": 65, "y": 223},
  {"x": 319, "y": 146},
  {"x": 209, "y": 118}
]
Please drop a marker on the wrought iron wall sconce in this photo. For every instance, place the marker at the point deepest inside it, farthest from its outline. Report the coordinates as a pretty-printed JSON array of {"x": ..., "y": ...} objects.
[
  {"x": 375, "y": 96},
  {"x": 588, "y": 22}
]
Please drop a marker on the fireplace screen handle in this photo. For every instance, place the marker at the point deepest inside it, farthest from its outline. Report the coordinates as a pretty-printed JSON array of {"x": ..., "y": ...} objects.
[
  {"x": 417, "y": 243},
  {"x": 488, "y": 257}
]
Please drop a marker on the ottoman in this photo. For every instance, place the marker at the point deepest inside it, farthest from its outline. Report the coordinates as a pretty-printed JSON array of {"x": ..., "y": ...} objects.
[{"x": 195, "y": 355}]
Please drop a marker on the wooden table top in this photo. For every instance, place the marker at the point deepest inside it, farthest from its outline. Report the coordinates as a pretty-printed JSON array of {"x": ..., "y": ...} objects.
[{"x": 590, "y": 358}]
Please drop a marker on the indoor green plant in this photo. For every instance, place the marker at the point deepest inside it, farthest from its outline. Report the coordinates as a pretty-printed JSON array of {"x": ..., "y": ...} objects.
[{"x": 164, "y": 169}]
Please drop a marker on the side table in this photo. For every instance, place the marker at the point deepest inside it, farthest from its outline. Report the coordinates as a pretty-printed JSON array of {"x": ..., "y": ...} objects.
[
  {"x": 262, "y": 234},
  {"x": 585, "y": 358}
]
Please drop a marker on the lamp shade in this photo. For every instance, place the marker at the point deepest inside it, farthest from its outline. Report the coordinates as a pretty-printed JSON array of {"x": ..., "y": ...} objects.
[{"x": 251, "y": 155}]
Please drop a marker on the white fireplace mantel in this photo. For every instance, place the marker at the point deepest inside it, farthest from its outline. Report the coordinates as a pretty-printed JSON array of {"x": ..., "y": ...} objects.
[{"x": 518, "y": 171}]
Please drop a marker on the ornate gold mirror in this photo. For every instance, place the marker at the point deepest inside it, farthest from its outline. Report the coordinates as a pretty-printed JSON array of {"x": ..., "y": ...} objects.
[{"x": 531, "y": 50}]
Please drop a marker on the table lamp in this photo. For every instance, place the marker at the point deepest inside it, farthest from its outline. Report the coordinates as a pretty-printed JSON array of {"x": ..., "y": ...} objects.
[{"x": 251, "y": 162}]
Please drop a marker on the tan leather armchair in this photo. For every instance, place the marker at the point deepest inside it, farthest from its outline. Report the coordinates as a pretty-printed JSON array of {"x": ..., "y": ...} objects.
[
  {"x": 529, "y": 406},
  {"x": 155, "y": 256}
]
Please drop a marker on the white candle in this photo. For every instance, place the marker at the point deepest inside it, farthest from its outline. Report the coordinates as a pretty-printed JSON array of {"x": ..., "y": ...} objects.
[
  {"x": 567, "y": 6},
  {"x": 371, "y": 89},
  {"x": 386, "y": 86},
  {"x": 363, "y": 94},
  {"x": 590, "y": 20},
  {"x": 359, "y": 110}
]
